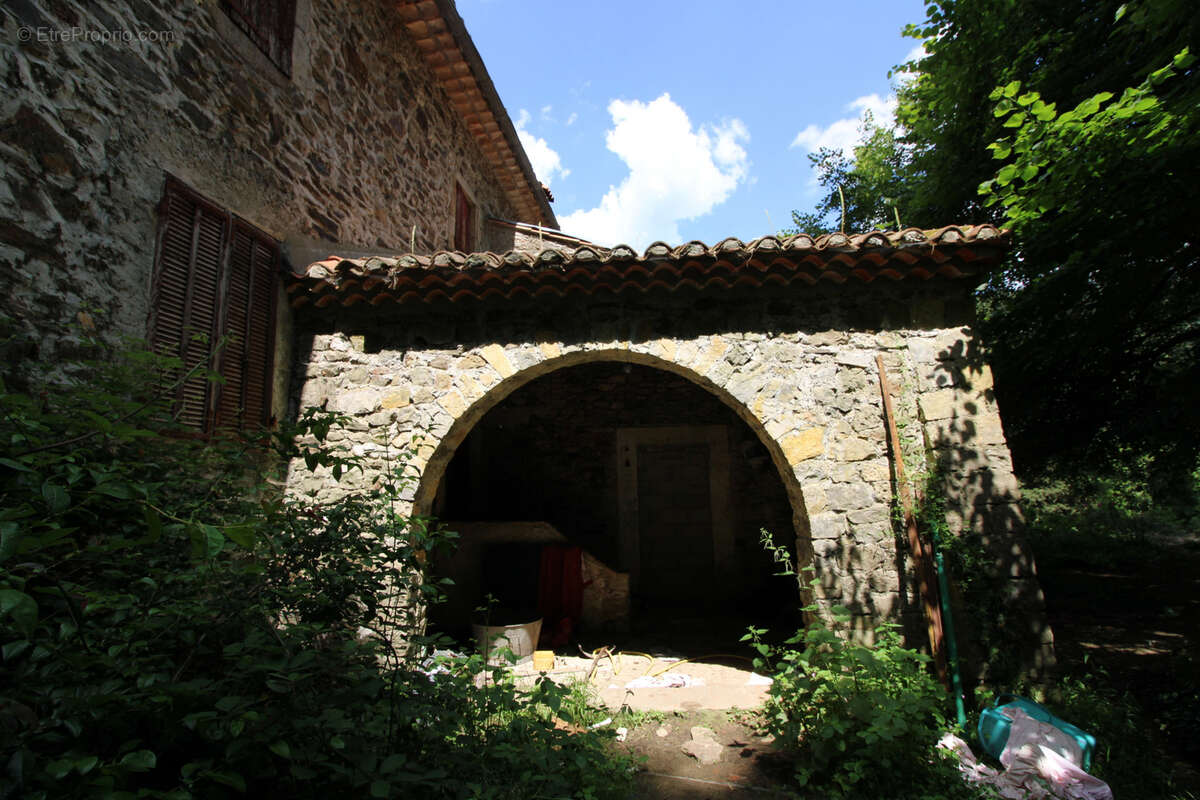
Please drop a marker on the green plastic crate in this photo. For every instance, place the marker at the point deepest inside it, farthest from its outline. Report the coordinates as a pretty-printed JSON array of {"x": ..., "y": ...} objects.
[{"x": 994, "y": 726}]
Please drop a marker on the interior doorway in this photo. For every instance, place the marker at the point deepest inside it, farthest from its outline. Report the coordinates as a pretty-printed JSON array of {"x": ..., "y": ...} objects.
[{"x": 675, "y": 525}]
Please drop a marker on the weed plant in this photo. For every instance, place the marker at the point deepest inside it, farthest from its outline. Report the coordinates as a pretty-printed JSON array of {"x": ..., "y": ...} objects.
[
  {"x": 172, "y": 626},
  {"x": 860, "y": 720}
]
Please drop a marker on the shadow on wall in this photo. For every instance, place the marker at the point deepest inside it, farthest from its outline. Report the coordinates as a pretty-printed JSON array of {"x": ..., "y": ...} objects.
[{"x": 973, "y": 497}]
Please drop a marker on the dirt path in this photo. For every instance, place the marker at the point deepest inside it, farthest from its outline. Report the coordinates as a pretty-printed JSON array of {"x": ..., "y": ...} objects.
[
  {"x": 690, "y": 719},
  {"x": 742, "y": 765},
  {"x": 665, "y": 682}
]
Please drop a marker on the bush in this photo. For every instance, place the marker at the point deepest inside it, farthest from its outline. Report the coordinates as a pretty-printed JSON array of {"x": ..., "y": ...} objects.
[
  {"x": 1105, "y": 512},
  {"x": 861, "y": 720},
  {"x": 171, "y": 627},
  {"x": 1128, "y": 757}
]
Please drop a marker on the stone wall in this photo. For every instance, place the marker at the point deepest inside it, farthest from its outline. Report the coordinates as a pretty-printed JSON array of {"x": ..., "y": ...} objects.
[
  {"x": 358, "y": 146},
  {"x": 797, "y": 366},
  {"x": 500, "y": 236}
]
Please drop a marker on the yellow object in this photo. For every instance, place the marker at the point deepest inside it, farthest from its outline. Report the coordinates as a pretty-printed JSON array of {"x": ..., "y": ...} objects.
[{"x": 543, "y": 660}]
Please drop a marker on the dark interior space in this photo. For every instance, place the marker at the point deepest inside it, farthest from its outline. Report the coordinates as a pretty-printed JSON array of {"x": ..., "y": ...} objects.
[{"x": 657, "y": 486}]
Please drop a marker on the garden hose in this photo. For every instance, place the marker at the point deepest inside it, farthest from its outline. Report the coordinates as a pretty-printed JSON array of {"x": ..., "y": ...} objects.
[
  {"x": 956, "y": 681},
  {"x": 635, "y": 653}
]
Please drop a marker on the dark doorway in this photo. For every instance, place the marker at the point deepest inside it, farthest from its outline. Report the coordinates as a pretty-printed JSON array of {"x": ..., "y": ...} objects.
[{"x": 675, "y": 526}]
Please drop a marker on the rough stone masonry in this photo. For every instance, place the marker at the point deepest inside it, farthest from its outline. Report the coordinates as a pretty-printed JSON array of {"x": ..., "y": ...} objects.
[{"x": 797, "y": 367}]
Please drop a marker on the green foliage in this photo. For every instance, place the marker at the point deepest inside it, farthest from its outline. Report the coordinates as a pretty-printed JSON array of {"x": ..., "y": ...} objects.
[
  {"x": 1102, "y": 198},
  {"x": 1105, "y": 515},
  {"x": 1081, "y": 121},
  {"x": 1126, "y": 758},
  {"x": 870, "y": 184},
  {"x": 172, "y": 627},
  {"x": 861, "y": 720}
]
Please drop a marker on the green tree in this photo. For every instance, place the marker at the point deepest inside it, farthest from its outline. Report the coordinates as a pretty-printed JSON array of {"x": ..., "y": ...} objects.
[
  {"x": 870, "y": 184},
  {"x": 1079, "y": 120}
]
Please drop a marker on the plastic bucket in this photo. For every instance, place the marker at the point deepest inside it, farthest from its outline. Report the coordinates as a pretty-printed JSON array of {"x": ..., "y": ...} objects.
[
  {"x": 994, "y": 726},
  {"x": 520, "y": 639}
]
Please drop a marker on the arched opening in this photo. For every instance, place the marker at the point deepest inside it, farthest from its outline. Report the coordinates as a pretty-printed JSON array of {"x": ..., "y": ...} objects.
[{"x": 658, "y": 484}]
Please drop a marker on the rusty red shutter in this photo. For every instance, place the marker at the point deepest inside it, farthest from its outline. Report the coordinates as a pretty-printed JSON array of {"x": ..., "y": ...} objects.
[
  {"x": 185, "y": 296},
  {"x": 464, "y": 222},
  {"x": 214, "y": 284}
]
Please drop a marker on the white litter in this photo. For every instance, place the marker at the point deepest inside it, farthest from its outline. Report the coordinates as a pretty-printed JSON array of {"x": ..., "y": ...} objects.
[
  {"x": 622, "y": 733},
  {"x": 667, "y": 680},
  {"x": 1032, "y": 771},
  {"x": 758, "y": 680},
  {"x": 602, "y": 723}
]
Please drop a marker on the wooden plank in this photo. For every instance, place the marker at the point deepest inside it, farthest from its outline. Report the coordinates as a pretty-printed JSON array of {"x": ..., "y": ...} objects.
[{"x": 922, "y": 556}]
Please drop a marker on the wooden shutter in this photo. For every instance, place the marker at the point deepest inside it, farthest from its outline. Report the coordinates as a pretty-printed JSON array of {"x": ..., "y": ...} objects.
[
  {"x": 185, "y": 296},
  {"x": 269, "y": 24},
  {"x": 246, "y": 362},
  {"x": 214, "y": 283},
  {"x": 464, "y": 221}
]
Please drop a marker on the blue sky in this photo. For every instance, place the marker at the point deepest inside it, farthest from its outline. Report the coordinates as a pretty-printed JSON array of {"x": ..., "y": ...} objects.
[{"x": 686, "y": 120}]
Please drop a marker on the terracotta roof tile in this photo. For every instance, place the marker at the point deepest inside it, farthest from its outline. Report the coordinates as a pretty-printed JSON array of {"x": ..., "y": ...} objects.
[
  {"x": 952, "y": 252},
  {"x": 446, "y": 47}
]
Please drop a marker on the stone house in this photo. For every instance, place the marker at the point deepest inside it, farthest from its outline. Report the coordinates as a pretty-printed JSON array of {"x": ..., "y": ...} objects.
[
  {"x": 343, "y": 197},
  {"x": 144, "y": 143}
]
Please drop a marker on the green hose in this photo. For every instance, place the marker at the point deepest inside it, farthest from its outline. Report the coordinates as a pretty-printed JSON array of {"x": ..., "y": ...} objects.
[{"x": 956, "y": 682}]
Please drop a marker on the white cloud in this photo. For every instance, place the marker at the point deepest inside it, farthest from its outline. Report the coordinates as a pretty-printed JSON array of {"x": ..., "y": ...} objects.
[
  {"x": 844, "y": 133},
  {"x": 917, "y": 53},
  {"x": 675, "y": 173},
  {"x": 547, "y": 164},
  {"x": 571, "y": 119}
]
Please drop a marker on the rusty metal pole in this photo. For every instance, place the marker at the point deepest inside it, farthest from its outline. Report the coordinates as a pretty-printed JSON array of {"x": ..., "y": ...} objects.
[{"x": 922, "y": 560}]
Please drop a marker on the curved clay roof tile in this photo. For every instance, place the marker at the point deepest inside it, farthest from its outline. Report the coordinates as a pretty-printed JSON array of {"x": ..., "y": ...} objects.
[
  {"x": 658, "y": 250},
  {"x": 377, "y": 264},
  {"x": 516, "y": 258},
  {"x": 800, "y": 241},
  {"x": 550, "y": 258},
  {"x": 412, "y": 261},
  {"x": 449, "y": 258},
  {"x": 692, "y": 249},
  {"x": 587, "y": 253},
  {"x": 764, "y": 243},
  {"x": 481, "y": 261}
]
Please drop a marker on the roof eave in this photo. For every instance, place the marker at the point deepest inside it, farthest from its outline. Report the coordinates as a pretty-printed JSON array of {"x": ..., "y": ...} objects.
[{"x": 534, "y": 203}]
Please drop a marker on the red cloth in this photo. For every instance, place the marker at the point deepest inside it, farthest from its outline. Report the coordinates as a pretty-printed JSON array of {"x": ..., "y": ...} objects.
[{"x": 560, "y": 593}]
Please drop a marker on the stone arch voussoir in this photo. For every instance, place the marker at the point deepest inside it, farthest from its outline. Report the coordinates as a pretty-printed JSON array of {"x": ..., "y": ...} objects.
[{"x": 815, "y": 409}]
